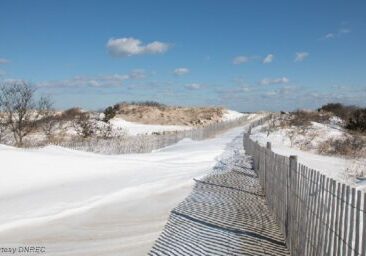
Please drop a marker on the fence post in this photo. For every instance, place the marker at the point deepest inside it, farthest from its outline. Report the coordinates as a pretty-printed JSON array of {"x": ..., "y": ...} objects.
[
  {"x": 266, "y": 162},
  {"x": 289, "y": 224},
  {"x": 269, "y": 146}
]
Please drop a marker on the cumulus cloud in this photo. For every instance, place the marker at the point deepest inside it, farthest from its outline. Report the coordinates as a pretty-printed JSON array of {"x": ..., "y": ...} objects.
[
  {"x": 301, "y": 56},
  {"x": 270, "y": 81},
  {"x": 193, "y": 86},
  {"x": 240, "y": 60},
  {"x": 181, "y": 71},
  {"x": 129, "y": 46},
  {"x": 3, "y": 61},
  {"x": 268, "y": 59}
]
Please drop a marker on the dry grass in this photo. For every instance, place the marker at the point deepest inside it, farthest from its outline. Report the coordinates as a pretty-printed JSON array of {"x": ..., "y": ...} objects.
[
  {"x": 353, "y": 146},
  {"x": 166, "y": 115},
  {"x": 304, "y": 118}
]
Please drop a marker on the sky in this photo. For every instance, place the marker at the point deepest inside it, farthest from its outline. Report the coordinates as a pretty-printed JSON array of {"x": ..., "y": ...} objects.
[{"x": 246, "y": 55}]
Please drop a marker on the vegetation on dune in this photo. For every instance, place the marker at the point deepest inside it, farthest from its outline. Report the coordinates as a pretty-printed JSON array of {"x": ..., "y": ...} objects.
[{"x": 354, "y": 117}]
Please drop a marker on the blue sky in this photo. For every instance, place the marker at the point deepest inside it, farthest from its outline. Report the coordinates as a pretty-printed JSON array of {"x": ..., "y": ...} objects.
[{"x": 246, "y": 55}]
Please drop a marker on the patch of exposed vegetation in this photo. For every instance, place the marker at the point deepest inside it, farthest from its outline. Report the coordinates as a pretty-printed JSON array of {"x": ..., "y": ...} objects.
[{"x": 354, "y": 117}]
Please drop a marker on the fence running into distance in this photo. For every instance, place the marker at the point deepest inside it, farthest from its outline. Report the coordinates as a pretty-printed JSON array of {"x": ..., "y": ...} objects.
[
  {"x": 317, "y": 215},
  {"x": 148, "y": 143}
]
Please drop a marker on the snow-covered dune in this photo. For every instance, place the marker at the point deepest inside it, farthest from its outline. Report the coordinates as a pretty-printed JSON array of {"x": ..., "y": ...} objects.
[
  {"x": 332, "y": 166},
  {"x": 78, "y": 203},
  {"x": 231, "y": 115},
  {"x": 133, "y": 128}
]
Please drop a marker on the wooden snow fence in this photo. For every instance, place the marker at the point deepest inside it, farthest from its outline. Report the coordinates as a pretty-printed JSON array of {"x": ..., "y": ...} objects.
[
  {"x": 145, "y": 143},
  {"x": 317, "y": 214}
]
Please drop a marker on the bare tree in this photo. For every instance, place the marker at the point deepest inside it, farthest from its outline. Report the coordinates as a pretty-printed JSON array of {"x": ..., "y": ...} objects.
[
  {"x": 49, "y": 121},
  {"x": 20, "y": 108}
]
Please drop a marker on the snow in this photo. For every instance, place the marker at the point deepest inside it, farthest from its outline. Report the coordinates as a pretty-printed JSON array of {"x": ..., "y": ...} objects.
[
  {"x": 331, "y": 166},
  {"x": 137, "y": 128},
  {"x": 230, "y": 115},
  {"x": 79, "y": 203}
]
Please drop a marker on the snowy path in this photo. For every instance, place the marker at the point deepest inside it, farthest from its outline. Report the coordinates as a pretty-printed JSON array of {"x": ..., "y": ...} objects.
[
  {"x": 226, "y": 214},
  {"x": 78, "y": 203}
]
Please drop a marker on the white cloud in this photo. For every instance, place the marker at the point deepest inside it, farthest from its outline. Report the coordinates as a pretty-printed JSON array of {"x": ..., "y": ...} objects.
[
  {"x": 4, "y": 61},
  {"x": 129, "y": 46},
  {"x": 270, "y": 81},
  {"x": 268, "y": 59},
  {"x": 339, "y": 33},
  {"x": 137, "y": 74},
  {"x": 193, "y": 86},
  {"x": 343, "y": 31},
  {"x": 286, "y": 90},
  {"x": 301, "y": 56},
  {"x": 115, "y": 80},
  {"x": 181, "y": 71},
  {"x": 240, "y": 60}
]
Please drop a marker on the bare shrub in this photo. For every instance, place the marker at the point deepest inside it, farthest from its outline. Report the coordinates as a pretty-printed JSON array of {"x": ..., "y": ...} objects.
[
  {"x": 357, "y": 121},
  {"x": 292, "y": 136},
  {"x": 3, "y": 128},
  {"x": 71, "y": 114},
  {"x": 20, "y": 108},
  {"x": 53, "y": 125},
  {"x": 147, "y": 103},
  {"x": 271, "y": 125},
  {"x": 83, "y": 125},
  {"x": 304, "y": 118},
  {"x": 356, "y": 169},
  {"x": 354, "y": 116},
  {"x": 351, "y": 146},
  {"x": 338, "y": 109}
]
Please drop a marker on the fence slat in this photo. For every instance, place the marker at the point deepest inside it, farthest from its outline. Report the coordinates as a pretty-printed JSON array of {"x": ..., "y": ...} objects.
[
  {"x": 321, "y": 218},
  {"x": 346, "y": 222},
  {"x": 357, "y": 226},
  {"x": 363, "y": 243},
  {"x": 311, "y": 212},
  {"x": 328, "y": 214},
  {"x": 342, "y": 223},
  {"x": 351, "y": 221},
  {"x": 334, "y": 218},
  {"x": 315, "y": 212}
]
